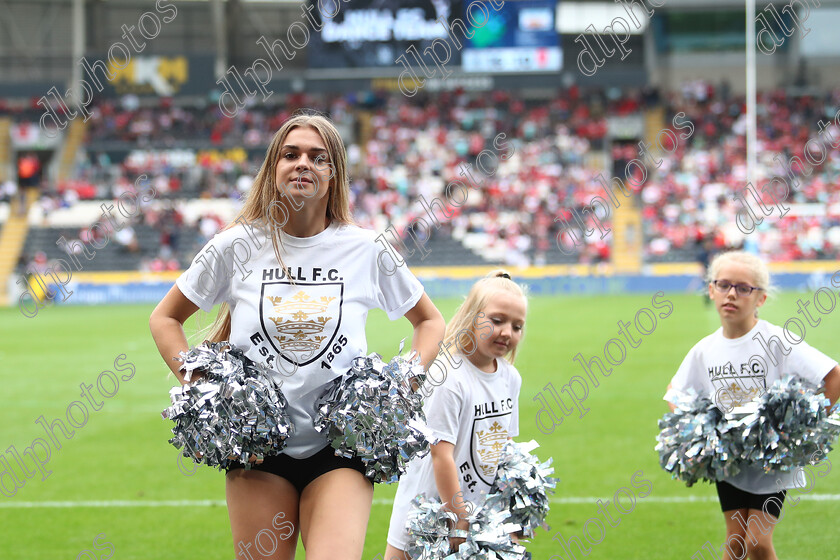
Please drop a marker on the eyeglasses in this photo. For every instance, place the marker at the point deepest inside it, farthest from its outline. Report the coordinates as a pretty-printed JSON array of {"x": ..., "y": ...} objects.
[{"x": 723, "y": 286}]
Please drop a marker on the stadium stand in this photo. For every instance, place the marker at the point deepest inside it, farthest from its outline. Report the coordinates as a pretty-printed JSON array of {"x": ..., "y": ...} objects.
[{"x": 401, "y": 149}]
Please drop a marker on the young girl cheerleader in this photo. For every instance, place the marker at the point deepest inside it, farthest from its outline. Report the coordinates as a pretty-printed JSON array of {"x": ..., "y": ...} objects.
[
  {"x": 475, "y": 409},
  {"x": 298, "y": 303},
  {"x": 735, "y": 364}
]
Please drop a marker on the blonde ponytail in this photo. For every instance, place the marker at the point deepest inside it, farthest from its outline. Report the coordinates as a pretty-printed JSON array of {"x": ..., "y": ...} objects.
[{"x": 477, "y": 299}]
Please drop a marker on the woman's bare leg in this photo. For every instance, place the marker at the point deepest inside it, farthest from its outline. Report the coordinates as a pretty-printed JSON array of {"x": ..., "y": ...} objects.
[
  {"x": 334, "y": 514},
  {"x": 263, "y": 510}
]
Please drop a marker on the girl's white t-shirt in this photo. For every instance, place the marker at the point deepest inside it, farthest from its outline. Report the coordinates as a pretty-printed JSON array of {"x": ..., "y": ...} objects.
[
  {"x": 744, "y": 367},
  {"x": 310, "y": 328},
  {"x": 475, "y": 411}
]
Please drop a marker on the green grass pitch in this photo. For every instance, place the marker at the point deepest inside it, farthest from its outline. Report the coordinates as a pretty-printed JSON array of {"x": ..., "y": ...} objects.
[{"x": 122, "y": 452}]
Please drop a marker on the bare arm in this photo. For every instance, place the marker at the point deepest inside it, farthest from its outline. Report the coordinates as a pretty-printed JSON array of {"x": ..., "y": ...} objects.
[
  {"x": 446, "y": 479},
  {"x": 429, "y": 327},
  {"x": 671, "y": 405},
  {"x": 832, "y": 384},
  {"x": 167, "y": 326}
]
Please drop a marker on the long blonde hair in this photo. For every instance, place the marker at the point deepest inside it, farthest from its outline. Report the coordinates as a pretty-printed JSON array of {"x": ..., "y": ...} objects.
[
  {"x": 479, "y": 295},
  {"x": 260, "y": 204}
]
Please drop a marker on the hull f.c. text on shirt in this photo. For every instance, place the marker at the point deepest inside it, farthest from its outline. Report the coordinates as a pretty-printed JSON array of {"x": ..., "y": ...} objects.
[{"x": 306, "y": 324}]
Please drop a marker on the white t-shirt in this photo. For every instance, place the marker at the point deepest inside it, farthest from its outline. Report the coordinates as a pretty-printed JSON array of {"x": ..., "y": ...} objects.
[
  {"x": 477, "y": 412},
  {"x": 308, "y": 331},
  {"x": 744, "y": 367}
]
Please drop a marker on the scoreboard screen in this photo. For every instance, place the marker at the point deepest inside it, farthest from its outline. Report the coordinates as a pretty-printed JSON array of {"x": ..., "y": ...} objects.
[
  {"x": 374, "y": 33},
  {"x": 520, "y": 37}
]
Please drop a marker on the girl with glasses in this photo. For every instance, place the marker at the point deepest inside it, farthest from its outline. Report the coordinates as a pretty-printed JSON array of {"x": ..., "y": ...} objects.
[{"x": 735, "y": 364}]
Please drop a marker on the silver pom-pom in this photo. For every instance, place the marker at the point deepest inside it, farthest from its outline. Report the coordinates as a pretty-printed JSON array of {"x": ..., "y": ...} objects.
[
  {"x": 429, "y": 526},
  {"x": 693, "y": 444},
  {"x": 785, "y": 426},
  {"x": 780, "y": 430},
  {"x": 488, "y": 537},
  {"x": 372, "y": 413},
  {"x": 521, "y": 486},
  {"x": 232, "y": 414}
]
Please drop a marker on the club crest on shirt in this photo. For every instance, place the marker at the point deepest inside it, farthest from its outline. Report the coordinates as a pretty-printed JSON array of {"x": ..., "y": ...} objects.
[
  {"x": 300, "y": 320},
  {"x": 735, "y": 386},
  {"x": 488, "y": 439}
]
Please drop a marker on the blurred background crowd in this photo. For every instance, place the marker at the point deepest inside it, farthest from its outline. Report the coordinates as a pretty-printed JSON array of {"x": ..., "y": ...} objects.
[{"x": 400, "y": 148}]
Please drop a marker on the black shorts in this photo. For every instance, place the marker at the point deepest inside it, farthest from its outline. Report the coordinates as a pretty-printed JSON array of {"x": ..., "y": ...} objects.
[
  {"x": 735, "y": 498},
  {"x": 300, "y": 472}
]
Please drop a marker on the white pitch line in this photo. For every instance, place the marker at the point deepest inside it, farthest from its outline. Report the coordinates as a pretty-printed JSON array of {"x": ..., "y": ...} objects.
[
  {"x": 377, "y": 502},
  {"x": 115, "y": 504}
]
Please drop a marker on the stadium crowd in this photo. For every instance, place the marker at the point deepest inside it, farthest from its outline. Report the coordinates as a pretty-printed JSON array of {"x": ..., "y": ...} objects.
[{"x": 400, "y": 149}]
